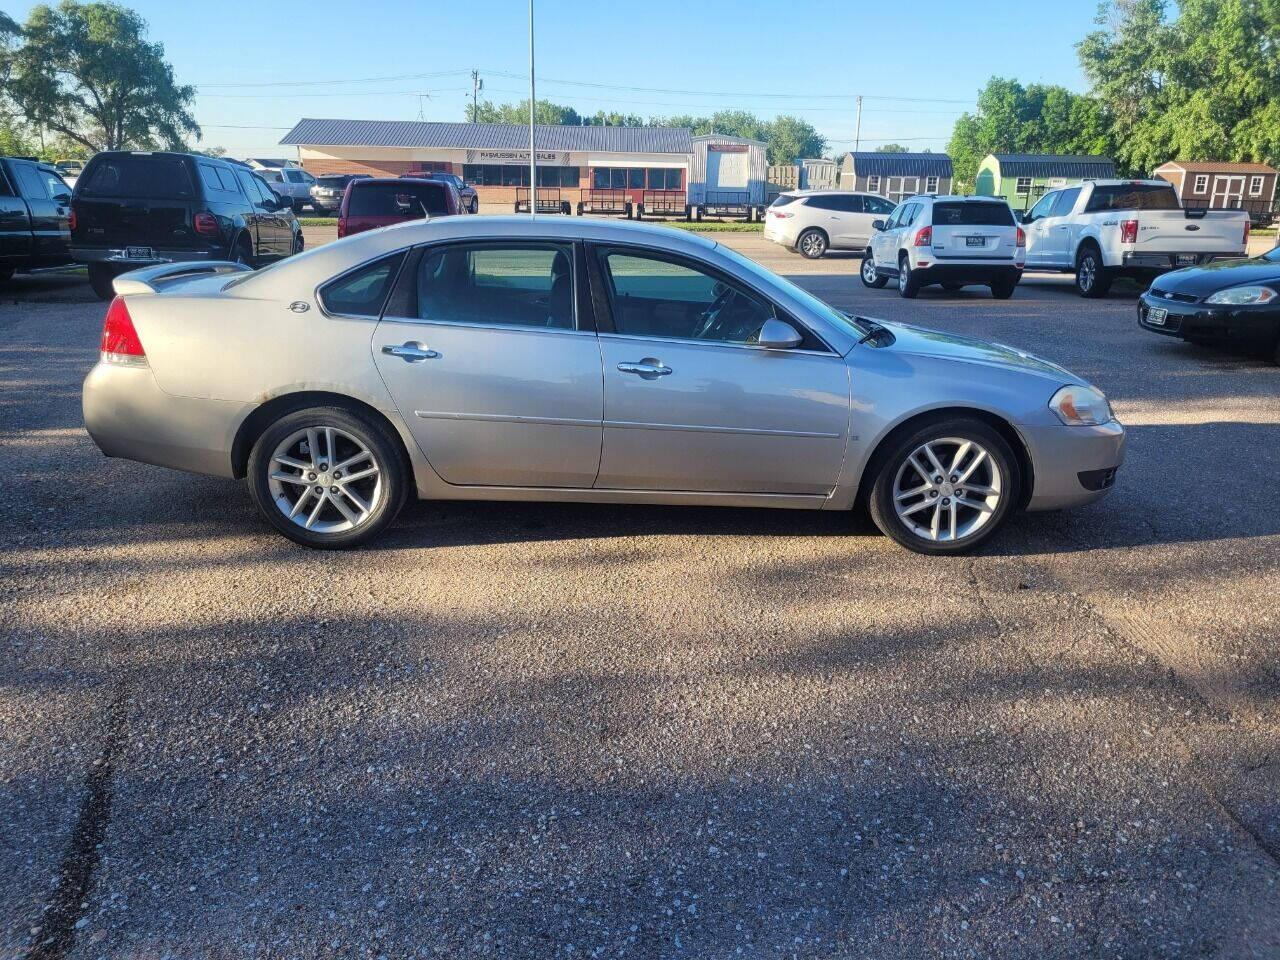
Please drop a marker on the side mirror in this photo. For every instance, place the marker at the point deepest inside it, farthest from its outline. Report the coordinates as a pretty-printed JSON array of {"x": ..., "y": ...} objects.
[
  {"x": 877, "y": 225},
  {"x": 62, "y": 198},
  {"x": 778, "y": 335}
]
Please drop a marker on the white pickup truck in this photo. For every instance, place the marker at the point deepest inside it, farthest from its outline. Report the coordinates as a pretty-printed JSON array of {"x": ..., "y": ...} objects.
[{"x": 1103, "y": 229}]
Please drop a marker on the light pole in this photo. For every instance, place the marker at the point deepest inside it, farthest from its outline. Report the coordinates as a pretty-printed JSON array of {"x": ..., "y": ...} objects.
[{"x": 533, "y": 109}]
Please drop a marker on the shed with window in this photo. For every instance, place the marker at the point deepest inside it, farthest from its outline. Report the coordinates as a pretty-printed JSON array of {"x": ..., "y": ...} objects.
[
  {"x": 1023, "y": 178},
  {"x": 573, "y": 162},
  {"x": 1224, "y": 186},
  {"x": 896, "y": 175}
]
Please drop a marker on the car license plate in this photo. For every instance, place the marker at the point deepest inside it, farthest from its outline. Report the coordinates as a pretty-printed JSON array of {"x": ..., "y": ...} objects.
[
  {"x": 1157, "y": 316},
  {"x": 975, "y": 241},
  {"x": 1185, "y": 259},
  {"x": 139, "y": 253}
]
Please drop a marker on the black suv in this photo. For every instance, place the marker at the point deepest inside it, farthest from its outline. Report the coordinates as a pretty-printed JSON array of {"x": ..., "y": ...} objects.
[{"x": 133, "y": 210}]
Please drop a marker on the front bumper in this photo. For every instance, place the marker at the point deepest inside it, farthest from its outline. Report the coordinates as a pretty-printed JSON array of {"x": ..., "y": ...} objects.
[
  {"x": 1072, "y": 465},
  {"x": 1199, "y": 321},
  {"x": 128, "y": 415},
  {"x": 117, "y": 255}
]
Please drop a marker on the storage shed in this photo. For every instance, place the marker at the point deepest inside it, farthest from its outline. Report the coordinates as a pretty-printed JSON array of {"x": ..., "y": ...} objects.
[
  {"x": 727, "y": 173},
  {"x": 1247, "y": 186},
  {"x": 896, "y": 175},
  {"x": 1022, "y": 178},
  {"x": 819, "y": 174}
]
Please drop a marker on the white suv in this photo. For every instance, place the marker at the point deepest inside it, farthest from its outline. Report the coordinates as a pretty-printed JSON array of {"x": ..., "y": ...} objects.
[
  {"x": 812, "y": 222},
  {"x": 953, "y": 241}
]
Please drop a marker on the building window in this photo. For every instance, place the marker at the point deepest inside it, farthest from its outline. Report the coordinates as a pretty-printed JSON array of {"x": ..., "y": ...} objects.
[
  {"x": 1024, "y": 186},
  {"x": 931, "y": 185},
  {"x": 873, "y": 184},
  {"x": 663, "y": 179},
  {"x": 1202, "y": 182},
  {"x": 517, "y": 175},
  {"x": 1255, "y": 186},
  {"x": 635, "y": 178}
]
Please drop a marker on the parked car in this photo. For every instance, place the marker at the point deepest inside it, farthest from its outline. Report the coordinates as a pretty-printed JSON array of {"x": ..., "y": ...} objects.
[
  {"x": 1227, "y": 301},
  {"x": 1104, "y": 229},
  {"x": 327, "y": 191},
  {"x": 35, "y": 208},
  {"x": 953, "y": 241},
  {"x": 70, "y": 170},
  {"x": 133, "y": 209},
  {"x": 470, "y": 199},
  {"x": 574, "y": 359},
  {"x": 811, "y": 222},
  {"x": 378, "y": 202},
  {"x": 292, "y": 183}
]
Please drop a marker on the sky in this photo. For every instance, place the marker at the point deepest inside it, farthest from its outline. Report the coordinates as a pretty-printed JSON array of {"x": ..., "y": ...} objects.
[{"x": 259, "y": 68}]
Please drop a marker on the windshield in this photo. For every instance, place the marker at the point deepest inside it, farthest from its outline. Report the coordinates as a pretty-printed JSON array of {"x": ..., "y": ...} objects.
[{"x": 838, "y": 318}]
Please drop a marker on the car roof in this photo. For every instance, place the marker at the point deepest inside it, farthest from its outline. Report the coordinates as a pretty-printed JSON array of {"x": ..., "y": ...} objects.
[{"x": 817, "y": 192}]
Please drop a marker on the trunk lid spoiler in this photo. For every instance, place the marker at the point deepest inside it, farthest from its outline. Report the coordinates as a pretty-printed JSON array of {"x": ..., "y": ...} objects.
[{"x": 151, "y": 280}]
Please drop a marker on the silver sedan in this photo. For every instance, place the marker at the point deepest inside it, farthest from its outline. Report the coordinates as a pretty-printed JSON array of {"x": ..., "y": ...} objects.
[{"x": 495, "y": 358}]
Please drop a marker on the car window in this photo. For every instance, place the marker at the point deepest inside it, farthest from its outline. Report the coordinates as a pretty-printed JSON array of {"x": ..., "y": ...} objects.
[
  {"x": 972, "y": 214},
  {"x": 271, "y": 176},
  {"x": 140, "y": 176},
  {"x": 397, "y": 200},
  {"x": 295, "y": 176},
  {"x": 1066, "y": 202},
  {"x": 878, "y": 205},
  {"x": 362, "y": 292},
  {"x": 908, "y": 215},
  {"x": 819, "y": 203},
  {"x": 1043, "y": 206},
  {"x": 5, "y": 189},
  {"x": 32, "y": 183},
  {"x": 228, "y": 180},
  {"x": 267, "y": 193},
  {"x": 1132, "y": 196},
  {"x": 516, "y": 283},
  {"x": 250, "y": 185},
  {"x": 854, "y": 204},
  {"x": 56, "y": 186},
  {"x": 652, "y": 296},
  {"x": 783, "y": 199}
]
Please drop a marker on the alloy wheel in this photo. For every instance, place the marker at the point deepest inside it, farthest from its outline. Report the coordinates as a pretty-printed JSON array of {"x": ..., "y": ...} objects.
[
  {"x": 325, "y": 480},
  {"x": 868, "y": 271},
  {"x": 812, "y": 245},
  {"x": 904, "y": 270},
  {"x": 948, "y": 489},
  {"x": 1088, "y": 273}
]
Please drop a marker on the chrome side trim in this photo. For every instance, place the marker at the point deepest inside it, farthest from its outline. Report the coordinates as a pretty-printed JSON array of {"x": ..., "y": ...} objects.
[
  {"x": 703, "y": 428},
  {"x": 503, "y": 418}
]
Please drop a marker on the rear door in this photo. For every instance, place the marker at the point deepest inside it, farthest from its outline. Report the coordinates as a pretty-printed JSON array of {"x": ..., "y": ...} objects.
[
  {"x": 136, "y": 199},
  {"x": 276, "y": 219},
  {"x": 15, "y": 224},
  {"x": 1037, "y": 224},
  {"x": 973, "y": 230},
  {"x": 493, "y": 365},
  {"x": 1058, "y": 249}
]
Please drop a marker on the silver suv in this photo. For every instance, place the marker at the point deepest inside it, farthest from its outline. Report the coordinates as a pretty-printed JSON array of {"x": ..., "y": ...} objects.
[{"x": 952, "y": 241}]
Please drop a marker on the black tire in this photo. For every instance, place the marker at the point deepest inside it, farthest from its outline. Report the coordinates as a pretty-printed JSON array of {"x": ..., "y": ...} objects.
[
  {"x": 298, "y": 206},
  {"x": 242, "y": 253},
  {"x": 298, "y": 243},
  {"x": 908, "y": 280},
  {"x": 952, "y": 287},
  {"x": 811, "y": 244},
  {"x": 100, "y": 277},
  {"x": 393, "y": 477},
  {"x": 1093, "y": 280},
  {"x": 887, "y": 465},
  {"x": 868, "y": 270},
  {"x": 1003, "y": 289},
  {"x": 474, "y": 206}
]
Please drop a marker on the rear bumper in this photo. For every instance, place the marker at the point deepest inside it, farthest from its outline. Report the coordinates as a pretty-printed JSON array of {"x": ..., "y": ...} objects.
[
  {"x": 116, "y": 255},
  {"x": 1073, "y": 465},
  {"x": 974, "y": 271},
  {"x": 778, "y": 234},
  {"x": 1196, "y": 321},
  {"x": 128, "y": 415},
  {"x": 1165, "y": 260}
]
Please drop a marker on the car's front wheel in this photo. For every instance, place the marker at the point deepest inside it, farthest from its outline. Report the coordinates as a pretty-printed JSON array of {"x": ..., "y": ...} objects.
[
  {"x": 946, "y": 487},
  {"x": 1092, "y": 278},
  {"x": 327, "y": 477},
  {"x": 908, "y": 280},
  {"x": 870, "y": 275}
]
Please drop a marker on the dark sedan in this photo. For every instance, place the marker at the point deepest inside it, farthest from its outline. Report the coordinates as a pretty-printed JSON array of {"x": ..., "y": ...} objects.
[{"x": 1234, "y": 301}]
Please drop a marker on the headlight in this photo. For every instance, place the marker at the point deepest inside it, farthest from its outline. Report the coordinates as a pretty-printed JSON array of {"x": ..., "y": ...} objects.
[
  {"x": 1240, "y": 296},
  {"x": 1078, "y": 406}
]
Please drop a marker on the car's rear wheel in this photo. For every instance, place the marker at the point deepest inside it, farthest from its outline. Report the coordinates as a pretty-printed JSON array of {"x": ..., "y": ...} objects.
[
  {"x": 870, "y": 276},
  {"x": 298, "y": 243},
  {"x": 812, "y": 244},
  {"x": 327, "y": 477},
  {"x": 952, "y": 287},
  {"x": 100, "y": 277},
  {"x": 908, "y": 284},
  {"x": 242, "y": 253},
  {"x": 1092, "y": 278},
  {"x": 474, "y": 206},
  {"x": 946, "y": 487},
  {"x": 1003, "y": 289}
]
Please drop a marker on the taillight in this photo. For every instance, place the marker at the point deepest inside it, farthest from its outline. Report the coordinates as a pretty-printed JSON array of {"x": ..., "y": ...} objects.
[
  {"x": 1022, "y": 238},
  {"x": 206, "y": 224},
  {"x": 1128, "y": 231},
  {"x": 924, "y": 236},
  {"x": 1247, "y": 225},
  {"x": 120, "y": 343},
  {"x": 71, "y": 220},
  {"x": 781, "y": 214}
]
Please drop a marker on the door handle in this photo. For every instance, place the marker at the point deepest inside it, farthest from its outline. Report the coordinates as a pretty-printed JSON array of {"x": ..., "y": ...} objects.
[
  {"x": 410, "y": 352},
  {"x": 648, "y": 368}
]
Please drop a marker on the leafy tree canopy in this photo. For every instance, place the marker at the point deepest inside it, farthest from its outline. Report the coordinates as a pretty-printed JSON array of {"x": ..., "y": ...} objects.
[{"x": 891, "y": 148}]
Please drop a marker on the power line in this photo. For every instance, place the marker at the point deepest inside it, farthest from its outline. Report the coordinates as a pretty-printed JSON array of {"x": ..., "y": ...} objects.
[
  {"x": 318, "y": 83},
  {"x": 345, "y": 93},
  {"x": 719, "y": 106}
]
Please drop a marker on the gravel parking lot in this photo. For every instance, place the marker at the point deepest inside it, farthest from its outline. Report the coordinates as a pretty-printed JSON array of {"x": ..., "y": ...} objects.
[{"x": 562, "y": 731}]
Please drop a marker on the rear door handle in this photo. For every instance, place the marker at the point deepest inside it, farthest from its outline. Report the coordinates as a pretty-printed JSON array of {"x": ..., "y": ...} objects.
[
  {"x": 648, "y": 368},
  {"x": 410, "y": 352}
]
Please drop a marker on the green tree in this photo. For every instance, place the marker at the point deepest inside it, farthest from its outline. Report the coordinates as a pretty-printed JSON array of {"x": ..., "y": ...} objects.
[
  {"x": 790, "y": 139},
  {"x": 613, "y": 119},
  {"x": 548, "y": 112},
  {"x": 88, "y": 72},
  {"x": 891, "y": 148}
]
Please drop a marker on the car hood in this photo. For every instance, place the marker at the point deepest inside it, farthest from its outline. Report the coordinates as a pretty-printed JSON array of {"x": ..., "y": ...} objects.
[
  {"x": 1212, "y": 277},
  {"x": 922, "y": 342}
]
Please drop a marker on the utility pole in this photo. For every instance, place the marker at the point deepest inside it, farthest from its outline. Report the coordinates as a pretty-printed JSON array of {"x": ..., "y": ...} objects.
[
  {"x": 533, "y": 109},
  {"x": 476, "y": 86},
  {"x": 857, "y": 133}
]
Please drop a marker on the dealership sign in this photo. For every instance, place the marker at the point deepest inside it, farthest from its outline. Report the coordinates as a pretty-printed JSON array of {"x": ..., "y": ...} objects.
[{"x": 517, "y": 156}]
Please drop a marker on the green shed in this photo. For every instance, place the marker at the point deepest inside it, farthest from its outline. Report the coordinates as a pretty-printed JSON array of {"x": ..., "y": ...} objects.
[{"x": 1022, "y": 178}]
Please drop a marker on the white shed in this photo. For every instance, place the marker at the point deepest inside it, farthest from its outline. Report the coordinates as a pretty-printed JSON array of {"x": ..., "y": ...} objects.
[{"x": 727, "y": 171}]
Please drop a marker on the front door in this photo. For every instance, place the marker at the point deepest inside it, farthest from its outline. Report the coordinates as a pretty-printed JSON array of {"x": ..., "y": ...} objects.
[
  {"x": 691, "y": 404},
  {"x": 1227, "y": 192},
  {"x": 482, "y": 350},
  {"x": 1037, "y": 224}
]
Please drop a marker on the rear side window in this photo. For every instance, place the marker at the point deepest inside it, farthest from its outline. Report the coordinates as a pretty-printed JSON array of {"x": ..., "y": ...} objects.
[
  {"x": 1132, "y": 196},
  {"x": 397, "y": 200},
  {"x": 138, "y": 176},
  {"x": 783, "y": 199},
  {"x": 296, "y": 176},
  {"x": 271, "y": 176},
  {"x": 972, "y": 215},
  {"x": 517, "y": 284},
  {"x": 363, "y": 291}
]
